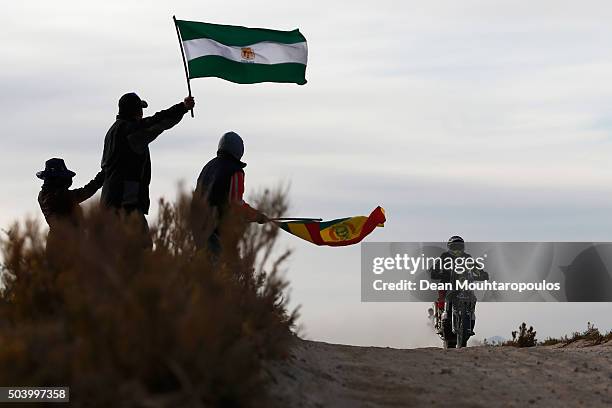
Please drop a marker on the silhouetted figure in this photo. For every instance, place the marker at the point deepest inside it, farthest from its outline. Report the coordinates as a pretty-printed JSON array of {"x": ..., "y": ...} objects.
[
  {"x": 220, "y": 187},
  {"x": 58, "y": 203},
  {"x": 126, "y": 160}
]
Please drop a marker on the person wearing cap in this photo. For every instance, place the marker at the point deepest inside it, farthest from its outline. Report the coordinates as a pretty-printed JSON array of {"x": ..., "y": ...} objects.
[
  {"x": 126, "y": 160},
  {"x": 220, "y": 186},
  {"x": 57, "y": 202}
]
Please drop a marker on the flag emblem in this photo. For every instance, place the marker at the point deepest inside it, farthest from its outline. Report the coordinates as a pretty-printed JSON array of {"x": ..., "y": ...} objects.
[
  {"x": 241, "y": 54},
  {"x": 248, "y": 53},
  {"x": 340, "y": 232}
]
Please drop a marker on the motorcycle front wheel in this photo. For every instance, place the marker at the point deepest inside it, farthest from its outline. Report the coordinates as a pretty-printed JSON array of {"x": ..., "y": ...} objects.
[
  {"x": 463, "y": 332},
  {"x": 450, "y": 338},
  {"x": 450, "y": 343}
]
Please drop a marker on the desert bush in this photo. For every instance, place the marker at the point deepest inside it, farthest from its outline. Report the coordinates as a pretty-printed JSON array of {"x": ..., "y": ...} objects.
[
  {"x": 592, "y": 335},
  {"x": 125, "y": 326},
  {"x": 523, "y": 337},
  {"x": 550, "y": 341}
]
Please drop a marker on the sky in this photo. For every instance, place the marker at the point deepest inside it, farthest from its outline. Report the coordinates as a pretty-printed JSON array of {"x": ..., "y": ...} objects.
[{"x": 491, "y": 120}]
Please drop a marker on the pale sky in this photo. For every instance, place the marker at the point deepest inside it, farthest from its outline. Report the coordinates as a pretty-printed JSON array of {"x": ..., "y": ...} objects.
[{"x": 487, "y": 119}]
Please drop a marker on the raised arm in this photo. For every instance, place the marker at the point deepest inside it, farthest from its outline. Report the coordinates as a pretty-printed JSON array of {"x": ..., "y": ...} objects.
[
  {"x": 148, "y": 129},
  {"x": 78, "y": 195},
  {"x": 174, "y": 113}
]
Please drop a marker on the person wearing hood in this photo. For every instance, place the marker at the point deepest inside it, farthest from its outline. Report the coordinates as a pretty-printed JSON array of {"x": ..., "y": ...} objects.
[
  {"x": 126, "y": 160},
  {"x": 220, "y": 186},
  {"x": 58, "y": 203}
]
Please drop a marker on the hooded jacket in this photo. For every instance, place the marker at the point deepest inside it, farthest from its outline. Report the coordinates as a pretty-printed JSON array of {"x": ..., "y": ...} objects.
[
  {"x": 214, "y": 182},
  {"x": 220, "y": 185}
]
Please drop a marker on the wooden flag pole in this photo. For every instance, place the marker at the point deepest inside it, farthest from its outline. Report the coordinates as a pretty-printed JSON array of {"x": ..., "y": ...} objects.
[{"x": 178, "y": 33}]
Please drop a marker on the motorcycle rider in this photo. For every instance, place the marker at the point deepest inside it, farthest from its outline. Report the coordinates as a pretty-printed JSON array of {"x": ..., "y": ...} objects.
[{"x": 456, "y": 250}]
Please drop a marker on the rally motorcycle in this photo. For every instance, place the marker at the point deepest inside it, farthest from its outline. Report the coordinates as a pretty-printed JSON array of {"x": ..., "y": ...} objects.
[{"x": 456, "y": 329}]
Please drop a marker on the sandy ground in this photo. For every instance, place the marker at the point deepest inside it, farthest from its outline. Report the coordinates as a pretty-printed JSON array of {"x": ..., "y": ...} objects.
[{"x": 330, "y": 375}]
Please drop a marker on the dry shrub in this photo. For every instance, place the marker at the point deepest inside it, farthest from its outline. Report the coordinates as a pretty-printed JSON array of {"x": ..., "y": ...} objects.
[
  {"x": 551, "y": 341},
  {"x": 592, "y": 336},
  {"x": 524, "y": 337},
  {"x": 123, "y": 326}
]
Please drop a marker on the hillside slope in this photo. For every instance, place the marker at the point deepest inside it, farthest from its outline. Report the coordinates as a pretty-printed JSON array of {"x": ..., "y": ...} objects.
[{"x": 330, "y": 375}]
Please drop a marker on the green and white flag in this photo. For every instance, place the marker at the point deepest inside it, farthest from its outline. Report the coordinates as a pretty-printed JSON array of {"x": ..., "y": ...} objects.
[{"x": 243, "y": 55}]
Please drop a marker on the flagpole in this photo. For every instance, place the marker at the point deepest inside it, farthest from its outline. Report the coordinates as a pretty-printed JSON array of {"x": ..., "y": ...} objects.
[
  {"x": 295, "y": 219},
  {"x": 178, "y": 33}
]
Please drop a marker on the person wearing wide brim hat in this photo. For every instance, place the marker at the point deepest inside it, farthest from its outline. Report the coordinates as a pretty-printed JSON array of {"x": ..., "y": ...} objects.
[
  {"x": 57, "y": 201},
  {"x": 55, "y": 168}
]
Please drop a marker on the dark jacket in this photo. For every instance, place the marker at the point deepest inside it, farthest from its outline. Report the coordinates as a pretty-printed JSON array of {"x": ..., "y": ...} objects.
[
  {"x": 445, "y": 274},
  {"x": 442, "y": 273},
  {"x": 126, "y": 160},
  {"x": 211, "y": 199},
  {"x": 213, "y": 184},
  {"x": 59, "y": 204}
]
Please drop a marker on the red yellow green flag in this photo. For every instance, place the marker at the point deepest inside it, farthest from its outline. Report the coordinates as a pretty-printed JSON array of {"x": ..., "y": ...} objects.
[{"x": 340, "y": 232}]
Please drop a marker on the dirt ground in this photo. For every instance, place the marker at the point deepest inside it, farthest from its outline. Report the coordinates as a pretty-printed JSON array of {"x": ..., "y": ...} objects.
[{"x": 331, "y": 375}]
